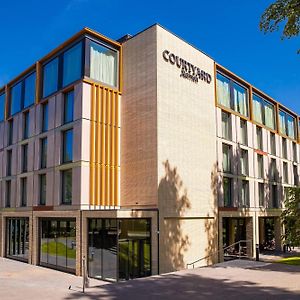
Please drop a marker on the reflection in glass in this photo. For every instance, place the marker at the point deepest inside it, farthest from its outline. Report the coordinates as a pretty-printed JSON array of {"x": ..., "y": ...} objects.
[
  {"x": 29, "y": 94},
  {"x": 50, "y": 77}
]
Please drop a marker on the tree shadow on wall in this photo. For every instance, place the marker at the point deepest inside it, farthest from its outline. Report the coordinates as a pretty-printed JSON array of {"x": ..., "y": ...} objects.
[{"x": 174, "y": 202}]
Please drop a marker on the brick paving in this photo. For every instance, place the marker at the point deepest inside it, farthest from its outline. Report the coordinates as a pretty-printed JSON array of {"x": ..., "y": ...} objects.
[{"x": 238, "y": 279}]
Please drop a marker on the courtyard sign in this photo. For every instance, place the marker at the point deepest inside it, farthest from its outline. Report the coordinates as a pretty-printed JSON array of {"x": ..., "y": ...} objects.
[{"x": 188, "y": 70}]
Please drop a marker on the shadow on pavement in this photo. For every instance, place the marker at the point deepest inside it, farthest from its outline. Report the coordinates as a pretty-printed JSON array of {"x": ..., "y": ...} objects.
[{"x": 173, "y": 286}]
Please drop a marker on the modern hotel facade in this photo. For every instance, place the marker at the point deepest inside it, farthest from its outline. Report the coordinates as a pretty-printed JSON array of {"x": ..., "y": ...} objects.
[{"x": 140, "y": 155}]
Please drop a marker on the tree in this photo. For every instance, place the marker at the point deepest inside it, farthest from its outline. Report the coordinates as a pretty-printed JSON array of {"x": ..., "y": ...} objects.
[
  {"x": 290, "y": 216},
  {"x": 285, "y": 12}
]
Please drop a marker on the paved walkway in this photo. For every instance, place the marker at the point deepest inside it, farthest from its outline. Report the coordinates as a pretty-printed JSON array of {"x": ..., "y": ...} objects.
[{"x": 237, "y": 279}]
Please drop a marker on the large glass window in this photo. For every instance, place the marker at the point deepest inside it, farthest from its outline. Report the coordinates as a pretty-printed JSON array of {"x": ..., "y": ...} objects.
[
  {"x": 273, "y": 170},
  {"x": 245, "y": 201},
  {"x": 29, "y": 92},
  {"x": 66, "y": 186},
  {"x": 58, "y": 244},
  {"x": 273, "y": 143},
  {"x": 284, "y": 148},
  {"x": 226, "y": 158},
  {"x": 50, "y": 77},
  {"x": 43, "y": 160},
  {"x": 285, "y": 172},
  {"x": 17, "y": 238},
  {"x": 43, "y": 189},
  {"x": 274, "y": 194},
  {"x": 243, "y": 132},
  {"x": 2, "y": 106},
  {"x": 26, "y": 125},
  {"x": 227, "y": 191},
  {"x": 287, "y": 124},
  {"x": 68, "y": 107},
  {"x": 67, "y": 146},
  {"x": 23, "y": 183},
  {"x": 260, "y": 166},
  {"x": 103, "y": 64},
  {"x": 232, "y": 95},
  {"x": 16, "y": 98},
  {"x": 263, "y": 112},
  {"x": 244, "y": 162},
  {"x": 259, "y": 139},
  {"x": 123, "y": 244},
  {"x": 261, "y": 194},
  {"x": 226, "y": 125},
  {"x": 72, "y": 64}
]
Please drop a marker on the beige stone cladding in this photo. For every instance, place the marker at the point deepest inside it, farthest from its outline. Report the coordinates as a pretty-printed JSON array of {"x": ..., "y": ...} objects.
[{"x": 168, "y": 145}]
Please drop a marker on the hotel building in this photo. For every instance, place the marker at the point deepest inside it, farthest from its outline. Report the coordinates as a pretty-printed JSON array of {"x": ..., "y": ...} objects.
[{"x": 141, "y": 155}]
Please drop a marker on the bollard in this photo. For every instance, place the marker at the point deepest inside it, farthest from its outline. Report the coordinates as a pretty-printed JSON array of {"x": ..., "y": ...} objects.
[{"x": 257, "y": 252}]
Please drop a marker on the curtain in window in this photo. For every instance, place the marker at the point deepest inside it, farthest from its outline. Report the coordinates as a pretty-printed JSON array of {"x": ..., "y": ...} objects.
[
  {"x": 269, "y": 116},
  {"x": 291, "y": 127},
  {"x": 257, "y": 110},
  {"x": 103, "y": 65},
  {"x": 223, "y": 91},
  {"x": 240, "y": 100},
  {"x": 282, "y": 123}
]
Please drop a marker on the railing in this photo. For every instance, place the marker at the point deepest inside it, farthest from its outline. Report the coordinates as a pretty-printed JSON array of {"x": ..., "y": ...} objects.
[{"x": 227, "y": 250}]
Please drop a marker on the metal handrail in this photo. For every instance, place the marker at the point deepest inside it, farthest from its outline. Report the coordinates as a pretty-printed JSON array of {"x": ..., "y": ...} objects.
[{"x": 216, "y": 252}]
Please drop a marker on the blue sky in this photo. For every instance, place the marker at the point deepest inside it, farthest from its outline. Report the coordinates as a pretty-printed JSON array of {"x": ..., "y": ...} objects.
[{"x": 226, "y": 30}]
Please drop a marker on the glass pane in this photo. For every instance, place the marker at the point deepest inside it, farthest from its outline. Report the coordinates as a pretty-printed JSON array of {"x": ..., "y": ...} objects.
[
  {"x": 45, "y": 117},
  {"x": 291, "y": 126},
  {"x": 43, "y": 153},
  {"x": 69, "y": 107},
  {"x": 103, "y": 64},
  {"x": 240, "y": 99},
  {"x": 50, "y": 77},
  {"x": 68, "y": 146},
  {"x": 71, "y": 245},
  {"x": 29, "y": 95},
  {"x": 44, "y": 242},
  {"x": 61, "y": 244},
  {"x": 52, "y": 241},
  {"x": 257, "y": 109},
  {"x": 282, "y": 125},
  {"x": 67, "y": 187},
  {"x": 72, "y": 64},
  {"x": 269, "y": 115},
  {"x": 43, "y": 189},
  {"x": 223, "y": 90},
  {"x": 26, "y": 125},
  {"x": 16, "y": 97},
  {"x": 2, "y": 107}
]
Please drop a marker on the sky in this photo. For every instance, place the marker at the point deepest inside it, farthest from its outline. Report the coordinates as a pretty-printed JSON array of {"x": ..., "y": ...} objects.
[{"x": 228, "y": 31}]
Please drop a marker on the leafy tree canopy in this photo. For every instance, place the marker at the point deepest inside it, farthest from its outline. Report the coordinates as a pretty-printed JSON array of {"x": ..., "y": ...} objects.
[
  {"x": 290, "y": 216},
  {"x": 285, "y": 12}
]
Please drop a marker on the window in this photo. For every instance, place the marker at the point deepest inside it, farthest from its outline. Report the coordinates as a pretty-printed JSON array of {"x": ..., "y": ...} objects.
[
  {"x": 24, "y": 158},
  {"x": 261, "y": 194},
  {"x": 286, "y": 124},
  {"x": 50, "y": 77},
  {"x": 68, "y": 107},
  {"x": 259, "y": 141},
  {"x": 44, "y": 116},
  {"x": 43, "y": 161},
  {"x": 263, "y": 112},
  {"x": 226, "y": 125},
  {"x": 43, "y": 185},
  {"x": 285, "y": 172},
  {"x": 67, "y": 187},
  {"x": 245, "y": 194},
  {"x": 284, "y": 148},
  {"x": 10, "y": 132},
  {"x": 16, "y": 98},
  {"x": 67, "y": 146},
  {"x": 232, "y": 95},
  {"x": 23, "y": 191},
  {"x": 26, "y": 125},
  {"x": 8, "y": 162},
  {"x": 227, "y": 191},
  {"x": 243, "y": 132},
  {"x": 8, "y": 193},
  {"x": 260, "y": 166},
  {"x": 273, "y": 143},
  {"x": 103, "y": 64},
  {"x": 72, "y": 64},
  {"x": 29, "y": 92},
  {"x": 296, "y": 177},
  {"x": 295, "y": 152},
  {"x": 274, "y": 196},
  {"x": 273, "y": 170},
  {"x": 226, "y": 158},
  {"x": 2, "y": 107},
  {"x": 244, "y": 162}
]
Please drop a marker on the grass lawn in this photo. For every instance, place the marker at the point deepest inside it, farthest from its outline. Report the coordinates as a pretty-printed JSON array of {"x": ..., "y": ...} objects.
[{"x": 292, "y": 261}]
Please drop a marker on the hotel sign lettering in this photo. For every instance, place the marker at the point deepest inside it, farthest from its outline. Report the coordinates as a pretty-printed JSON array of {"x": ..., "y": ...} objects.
[{"x": 188, "y": 70}]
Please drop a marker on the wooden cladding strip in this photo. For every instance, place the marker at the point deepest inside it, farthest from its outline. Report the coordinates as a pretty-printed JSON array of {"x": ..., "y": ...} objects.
[{"x": 104, "y": 156}]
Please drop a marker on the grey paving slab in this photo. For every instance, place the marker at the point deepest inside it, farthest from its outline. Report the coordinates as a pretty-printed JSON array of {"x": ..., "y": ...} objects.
[{"x": 233, "y": 280}]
